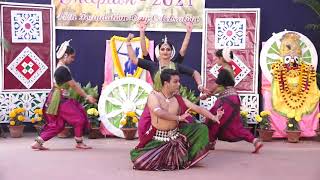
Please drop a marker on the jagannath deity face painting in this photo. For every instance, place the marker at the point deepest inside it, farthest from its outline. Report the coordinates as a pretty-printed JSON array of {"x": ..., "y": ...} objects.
[
  {"x": 294, "y": 88},
  {"x": 290, "y": 50}
]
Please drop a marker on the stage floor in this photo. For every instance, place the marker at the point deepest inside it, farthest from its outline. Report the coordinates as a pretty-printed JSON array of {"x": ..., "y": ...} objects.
[{"x": 109, "y": 160}]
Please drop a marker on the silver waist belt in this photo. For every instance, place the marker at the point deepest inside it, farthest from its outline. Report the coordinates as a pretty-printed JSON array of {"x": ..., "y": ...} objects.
[{"x": 166, "y": 135}]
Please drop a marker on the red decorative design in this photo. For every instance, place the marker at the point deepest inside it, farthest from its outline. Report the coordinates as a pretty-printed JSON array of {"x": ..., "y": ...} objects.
[
  {"x": 27, "y": 67},
  {"x": 237, "y": 70}
]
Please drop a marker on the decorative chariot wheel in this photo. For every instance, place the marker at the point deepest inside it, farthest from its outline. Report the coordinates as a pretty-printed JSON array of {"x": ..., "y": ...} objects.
[{"x": 121, "y": 96}]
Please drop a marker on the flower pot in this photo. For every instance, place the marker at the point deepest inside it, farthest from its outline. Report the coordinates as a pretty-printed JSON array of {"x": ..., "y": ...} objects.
[
  {"x": 66, "y": 132},
  {"x": 266, "y": 134},
  {"x": 129, "y": 133},
  {"x": 94, "y": 133},
  {"x": 293, "y": 136},
  {"x": 16, "y": 131}
]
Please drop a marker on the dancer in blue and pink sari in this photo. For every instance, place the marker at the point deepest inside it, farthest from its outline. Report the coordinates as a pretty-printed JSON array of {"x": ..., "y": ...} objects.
[{"x": 58, "y": 108}]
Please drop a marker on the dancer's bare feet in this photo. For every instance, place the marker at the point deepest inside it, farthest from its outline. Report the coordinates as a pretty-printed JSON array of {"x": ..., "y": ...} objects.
[
  {"x": 257, "y": 146},
  {"x": 83, "y": 146},
  {"x": 37, "y": 146}
]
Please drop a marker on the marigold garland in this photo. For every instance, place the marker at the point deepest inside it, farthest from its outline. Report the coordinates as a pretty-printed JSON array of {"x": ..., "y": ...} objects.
[{"x": 297, "y": 89}]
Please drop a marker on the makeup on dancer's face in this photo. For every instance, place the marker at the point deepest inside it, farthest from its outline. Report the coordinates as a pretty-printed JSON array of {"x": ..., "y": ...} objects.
[
  {"x": 71, "y": 57},
  {"x": 175, "y": 82},
  {"x": 165, "y": 49},
  {"x": 220, "y": 60}
]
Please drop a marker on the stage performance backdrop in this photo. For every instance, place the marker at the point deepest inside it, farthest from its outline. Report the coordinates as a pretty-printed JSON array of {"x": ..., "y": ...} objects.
[
  {"x": 26, "y": 67},
  {"x": 237, "y": 29},
  {"x": 161, "y": 14}
]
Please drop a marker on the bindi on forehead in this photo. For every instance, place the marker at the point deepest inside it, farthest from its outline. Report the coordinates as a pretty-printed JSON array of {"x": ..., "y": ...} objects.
[{"x": 165, "y": 46}]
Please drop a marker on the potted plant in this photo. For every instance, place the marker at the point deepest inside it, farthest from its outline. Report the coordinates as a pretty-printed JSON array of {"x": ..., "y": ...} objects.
[
  {"x": 94, "y": 129},
  {"x": 293, "y": 129},
  {"x": 16, "y": 126},
  {"x": 37, "y": 120},
  {"x": 129, "y": 125},
  {"x": 244, "y": 119},
  {"x": 265, "y": 131}
]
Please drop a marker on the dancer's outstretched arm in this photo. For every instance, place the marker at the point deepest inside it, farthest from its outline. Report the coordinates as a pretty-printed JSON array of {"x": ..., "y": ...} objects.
[
  {"x": 131, "y": 53},
  {"x": 186, "y": 39},
  {"x": 142, "y": 28},
  {"x": 75, "y": 86},
  {"x": 204, "y": 112}
]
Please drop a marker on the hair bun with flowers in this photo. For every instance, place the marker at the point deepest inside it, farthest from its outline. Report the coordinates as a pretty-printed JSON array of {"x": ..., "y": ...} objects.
[
  {"x": 226, "y": 54},
  {"x": 157, "y": 49},
  {"x": 62, "y": 48}
]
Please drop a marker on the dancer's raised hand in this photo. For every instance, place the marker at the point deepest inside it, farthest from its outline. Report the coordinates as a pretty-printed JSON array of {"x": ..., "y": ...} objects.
[
  {"x": 130, "y": 36},
  {"x": 142, "y": 24},
  {"x": 189, "y": 26}
]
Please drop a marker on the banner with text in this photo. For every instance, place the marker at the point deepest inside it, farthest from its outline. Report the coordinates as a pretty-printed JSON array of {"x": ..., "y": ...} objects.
[{"x": 124, "y": 14}]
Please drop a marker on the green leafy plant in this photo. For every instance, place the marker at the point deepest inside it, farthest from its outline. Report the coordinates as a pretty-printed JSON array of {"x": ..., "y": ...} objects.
[
  {"x": 188, "y": 94},
  {"x": 89, "y": 90},
  {"x": 315, "y": 6}
]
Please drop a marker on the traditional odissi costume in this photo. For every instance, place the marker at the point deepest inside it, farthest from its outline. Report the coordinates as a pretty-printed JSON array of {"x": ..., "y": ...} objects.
[
  {"x": 59, "y": 109},
  {"x": 179, "y": 148}
]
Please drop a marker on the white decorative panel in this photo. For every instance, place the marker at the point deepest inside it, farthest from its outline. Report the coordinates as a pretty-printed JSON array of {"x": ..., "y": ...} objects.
[
  {"x": 27, "y": 100},
  {"x": 26, "y": 26},
  {"x": 230, "y": 32}
]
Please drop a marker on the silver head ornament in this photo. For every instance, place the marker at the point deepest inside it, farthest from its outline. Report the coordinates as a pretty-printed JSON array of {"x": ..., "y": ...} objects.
[
  {"x": 157, "y": 49},
  {"x": 62, "y": 48}
]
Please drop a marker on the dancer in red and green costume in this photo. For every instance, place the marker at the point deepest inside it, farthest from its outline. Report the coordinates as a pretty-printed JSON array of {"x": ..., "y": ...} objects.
[
  {"x": 231, "y": 128},
  {"x": 170, "y": 145}
]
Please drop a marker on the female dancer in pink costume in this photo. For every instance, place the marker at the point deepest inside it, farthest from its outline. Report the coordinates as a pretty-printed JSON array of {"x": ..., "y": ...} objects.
[{"x": 58, "y": 108}]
